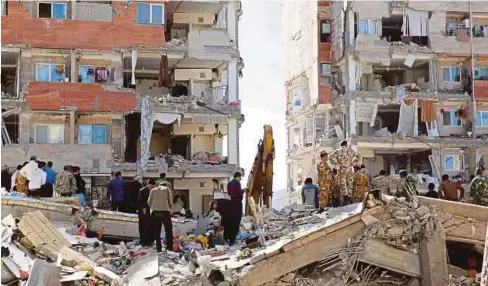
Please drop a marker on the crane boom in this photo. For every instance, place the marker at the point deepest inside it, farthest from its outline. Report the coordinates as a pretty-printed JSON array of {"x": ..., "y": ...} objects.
[{"x": 260, "y": 181}]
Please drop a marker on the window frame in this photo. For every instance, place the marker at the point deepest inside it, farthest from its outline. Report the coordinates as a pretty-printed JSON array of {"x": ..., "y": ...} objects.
[
  {"x": 452, "y": 119},
  {"x": 52, "y": 10},
  {"x": 454, "y": 169},
  {"x": 479, "y": 69},
  {"x": 150, "y": 13},
  {"x": 376, "y": 21},
  {"x": 449, "y": 67},
  {"x": 327, "y": 36},
  {"x": 322, "y": 73},
  {"x": 50, "y": 67},
  {"x": 93, "y": 141},
  {"x": 49, "y": 141},
  {"x": 93, "y": 76},
  {"x": 479, "y": 116}
]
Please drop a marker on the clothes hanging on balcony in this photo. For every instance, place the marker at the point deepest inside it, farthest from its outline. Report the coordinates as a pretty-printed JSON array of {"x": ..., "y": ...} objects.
[
  {"x": 408, "y": 113},
  {"x": 101, "y": 74},
  {"x": 164, "y": 75},
  {"x": 415, "y": 23},
  {"x": 427, "y": 111}
]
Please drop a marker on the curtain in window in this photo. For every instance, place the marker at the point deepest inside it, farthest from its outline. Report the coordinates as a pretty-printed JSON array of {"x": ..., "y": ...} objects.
[
  {"x": 157, "y": 14},
  {"x": 56, "y": 134},
  {"x": 84, "y": 134},
  {"x": 372, "y": 27},
  {"x": 363, "y": 26},
  {"x": 58, "y": 11},
  {"x": 143, "y": 12},
  {"x": 57, "y": 73},
  {"x": 42, "y": 73},
  {"x": 86, "y": 75},
  {"x": 41, "y": 135}
]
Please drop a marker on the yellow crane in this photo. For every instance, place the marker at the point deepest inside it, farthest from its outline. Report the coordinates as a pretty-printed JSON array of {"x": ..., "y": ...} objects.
[{"x": 260, "y": 181}]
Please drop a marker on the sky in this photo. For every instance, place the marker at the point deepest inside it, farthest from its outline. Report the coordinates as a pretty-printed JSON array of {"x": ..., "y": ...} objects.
[{"x": 261, "y": 90}]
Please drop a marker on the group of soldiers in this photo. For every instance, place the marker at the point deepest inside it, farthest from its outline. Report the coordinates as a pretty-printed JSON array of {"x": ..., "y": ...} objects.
[{"x": 341, "y": 181}]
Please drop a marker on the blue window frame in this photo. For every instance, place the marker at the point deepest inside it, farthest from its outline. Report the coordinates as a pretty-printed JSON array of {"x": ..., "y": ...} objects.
[
  {"x": 368, "y": 26},
  {"x": 451, "y": 118},
  {"x": 452, "y": 74},
  {"x": 454, "y": 163},
  {"x": 480, "y": 72},
  {"x": 150, "y": 13},
  {"x": 87, "y": 74},
  {"x": 481, "y": 119},
  {"x": 52, "y": 10},
  {"x": 92, "y": 134},
  {"x": 50, "y": 72}
]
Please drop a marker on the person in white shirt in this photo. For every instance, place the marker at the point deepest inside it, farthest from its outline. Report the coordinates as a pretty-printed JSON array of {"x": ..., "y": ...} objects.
[
  {"x": 29, "y": 169},
  {"x": 38, "y": 179},
  {"x": 14, "y": 177}
]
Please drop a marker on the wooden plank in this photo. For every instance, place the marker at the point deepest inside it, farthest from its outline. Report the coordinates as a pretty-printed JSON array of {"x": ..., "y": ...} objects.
[
  {"x": 378, "y": 253},
  {"x": 479, "y": 213},
  {"x": 303, "y": 255}
]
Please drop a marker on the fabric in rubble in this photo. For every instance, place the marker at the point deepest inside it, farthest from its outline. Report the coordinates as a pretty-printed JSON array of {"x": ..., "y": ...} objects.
[
  {"x": 406, "y": 122},
  {"x": 427, "y": 111}
]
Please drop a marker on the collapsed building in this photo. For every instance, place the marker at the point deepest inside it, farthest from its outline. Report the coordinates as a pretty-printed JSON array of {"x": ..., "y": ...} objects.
[
  {"x": 380, "y": 69},
  {"x": 139, "y": 87}
]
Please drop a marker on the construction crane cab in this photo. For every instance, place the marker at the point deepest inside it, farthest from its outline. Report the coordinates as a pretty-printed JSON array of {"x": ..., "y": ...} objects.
[{"x": 260, "y": 180}]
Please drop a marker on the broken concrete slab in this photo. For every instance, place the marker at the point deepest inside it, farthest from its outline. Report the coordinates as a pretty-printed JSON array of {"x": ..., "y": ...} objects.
[
  {"x": 433, "y": 258},
  {"x": 40, "y": 231},
  {"x": 44, "y": 274}
]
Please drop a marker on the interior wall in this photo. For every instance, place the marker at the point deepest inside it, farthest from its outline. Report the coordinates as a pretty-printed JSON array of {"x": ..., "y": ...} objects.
[
  {"x": 150, "y": 87},
  {"x": 374, "y": 165},
  {"x": 202, "y": 143},
  {"x": 159, "y": 144}
]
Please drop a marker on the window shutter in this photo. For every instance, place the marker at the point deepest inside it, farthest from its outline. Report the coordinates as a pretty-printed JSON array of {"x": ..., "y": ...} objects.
[
  {"x": 41, "y": 134},
  {"x": 379, "y": 27},
  {"x": 100, "y": 134},
  {"x": 85, "y": 134}
]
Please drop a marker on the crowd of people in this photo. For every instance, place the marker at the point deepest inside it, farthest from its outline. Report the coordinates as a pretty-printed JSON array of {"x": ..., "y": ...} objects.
[{"x": 341, "y": 181}]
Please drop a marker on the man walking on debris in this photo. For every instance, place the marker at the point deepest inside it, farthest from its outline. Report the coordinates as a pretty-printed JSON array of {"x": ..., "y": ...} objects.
[
  {"x": 145, "y": 223},
  {"x": 116, "y": 192},
  {"x": 324, "y": 179},
  {"x": 343, "y": 159},
  {"x": 479, "y": 188},
  {"x": 310, "y": 195},
  {"x": 382, "y": 183},
  {"x": 65, "y": 182},
  {"x": 235, "y": 214},
  {"x": 361, "y": 185},
  {"x": 407, "y": 187},
  {"x": 160, "y": 203},
  {"x": 448, "y": 189}
]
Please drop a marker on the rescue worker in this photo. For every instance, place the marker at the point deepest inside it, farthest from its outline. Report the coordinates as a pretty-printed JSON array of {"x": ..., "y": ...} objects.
[
  {"x": 407, "y": 187},
  {"x": 310, "y": 194},
  {"x": 324, "y": 180},
  {"x": 343, "y": 159},
  {"x": 335, "y": 192},
  {"x": 360, "y": 185},
  {"x": 479, "y": 188},
  {"x": 382, "y": 183}
]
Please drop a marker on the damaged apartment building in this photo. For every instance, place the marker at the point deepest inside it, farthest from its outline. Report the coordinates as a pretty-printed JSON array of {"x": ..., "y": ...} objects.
[
  {"x": 140, "y": 87},
  {"x": 409, "y": 83}
]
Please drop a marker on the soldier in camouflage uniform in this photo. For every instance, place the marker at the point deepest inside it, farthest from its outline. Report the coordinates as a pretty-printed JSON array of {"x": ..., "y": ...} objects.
[
  {"x": 324, "y": 180},
  {"x": 479, "y": 188},
  {"x": 382, "y": 183},
  {"x": 407, "y": 187},
  {"x": 361, "y": 185},
  {"x": 335, "y": 192},
  {"x": 343, "y": 160}
]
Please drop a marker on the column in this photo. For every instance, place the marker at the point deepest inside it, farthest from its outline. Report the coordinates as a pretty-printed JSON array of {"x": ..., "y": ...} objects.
[
  {"x": 232, "y": 21},
  {"x": 73, "y": 73},
  {"x": 73, "y": 10},
  {"x": 72, "y": 118},
  {"x": 233, "y": 141},
  {"x": 25, "y": 128}
]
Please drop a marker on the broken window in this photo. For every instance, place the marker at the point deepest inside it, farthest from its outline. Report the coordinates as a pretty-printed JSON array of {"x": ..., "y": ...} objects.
[
  {"x": 9, "y": 76},
  {"x": 481, "y": 73},
  {"x": 52, "y": 10},
  {"x": 150, "y": 13},
  {"x": 4, "y": 8},
  {"x": 49, "y": 134},
  {"x": 132, "y": 135},
  {"x": 452, "y": 74},
  {"x": 50, "y": 72},
  {"x": 93, "y": 134},
  {"x": 324, "y": 31},
  {"x": 368, "y": 26},
  {"x": 451, "y": 118},
  {"x": 481, "y": 119},
  {"x": 87, "y": 74},
  {"x": 454, "y": 162},
  {"x": 11, "y": 124}
]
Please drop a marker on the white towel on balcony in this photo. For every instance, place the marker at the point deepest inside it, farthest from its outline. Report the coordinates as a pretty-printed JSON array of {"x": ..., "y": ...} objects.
[{"x": 406, "y": 123}]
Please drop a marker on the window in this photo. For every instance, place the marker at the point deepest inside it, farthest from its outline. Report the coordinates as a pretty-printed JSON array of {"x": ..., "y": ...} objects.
[
  {"x": 481, "y": 73},
  {"x": 92, "y": 134},
  {"x": 52, "y": 10},
  {"x": 325, "y": 69},
  {"x": 451, "y": 118},
  {"x": 454, "y": 163},
  {"x": 324, "y": 32},
  {"x": 481, "y": 119},
  {"x": 50, "y": 72},
  {"x": 150, "y": 13},
  {"x": 368, "y": 26},
  {"x": 50, "y": 134},
  {"x": 4, "y": 8},
  {"x": 87, "y": 74},
  {"x": 451, "y": 74}
]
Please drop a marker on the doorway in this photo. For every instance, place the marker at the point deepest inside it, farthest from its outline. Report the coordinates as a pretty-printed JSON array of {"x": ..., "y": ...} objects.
[{"x": 180, "y": 145}]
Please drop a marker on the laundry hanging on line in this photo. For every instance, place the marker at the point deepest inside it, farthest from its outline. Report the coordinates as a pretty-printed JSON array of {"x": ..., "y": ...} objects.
[
  {"x": 427, "y": 111},
  {"x": 408, "y": 113}
]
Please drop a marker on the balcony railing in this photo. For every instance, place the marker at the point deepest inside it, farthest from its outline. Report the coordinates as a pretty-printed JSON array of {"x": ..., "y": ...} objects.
[{"x": 215, "y": 95}]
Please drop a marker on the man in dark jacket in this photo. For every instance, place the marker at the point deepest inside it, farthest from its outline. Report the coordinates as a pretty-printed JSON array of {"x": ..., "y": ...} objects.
[
  {"x": 145, "y": 222},
  {"x": 116, "y": 192},
  {"x": 132, "y": 194},
  {"x": 232, "y": 224},
  {"x": 80, "y": 185}
]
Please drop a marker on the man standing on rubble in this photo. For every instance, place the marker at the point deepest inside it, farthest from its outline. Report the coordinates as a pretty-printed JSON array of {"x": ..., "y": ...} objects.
[
  {"x": 65, "y": 182},
  {"x": 343, "y": 159},
  {"x": 361, "y": 185},
  {"x": 116, "y": 192},
  {"x": 160, "y": 203},
  {"x": 310, "y": 194},
  {"x": 324, "y": 179},
  {"x": 382, "y": 183},
  {"x": 448, "y": 190},
  {"x": 145, "y": 223},
  {"x": 235, "y": 214},
  {"x": 479, "y": 188}
]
